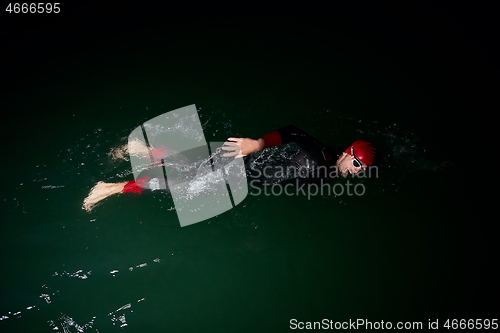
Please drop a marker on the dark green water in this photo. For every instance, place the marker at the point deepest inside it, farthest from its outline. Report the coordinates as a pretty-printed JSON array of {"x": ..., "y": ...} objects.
[{"x": 395, "y": 254}]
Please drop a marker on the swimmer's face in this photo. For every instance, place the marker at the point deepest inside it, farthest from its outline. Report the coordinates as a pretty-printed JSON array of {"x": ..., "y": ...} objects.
[{"x": 345, "y": 166}]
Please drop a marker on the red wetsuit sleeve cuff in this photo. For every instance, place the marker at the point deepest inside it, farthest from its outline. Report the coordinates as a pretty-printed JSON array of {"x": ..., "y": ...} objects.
[
  {"x": 135, "y": 186},
  {"x": 272, "y": 139}
]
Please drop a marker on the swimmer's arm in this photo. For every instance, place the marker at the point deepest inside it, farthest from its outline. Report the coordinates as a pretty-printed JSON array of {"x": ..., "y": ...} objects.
[
  {"x": 240, "y": 147},
  {"x": 245, "y": 146}
]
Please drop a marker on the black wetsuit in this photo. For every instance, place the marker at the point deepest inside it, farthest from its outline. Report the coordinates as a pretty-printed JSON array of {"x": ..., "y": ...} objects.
[{"x": 302, "y": 157}]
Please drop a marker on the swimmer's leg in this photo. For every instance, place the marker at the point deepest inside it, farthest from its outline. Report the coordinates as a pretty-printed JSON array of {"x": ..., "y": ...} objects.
[
  {"x": 137, "y": 148},
  {"x": 101, "y": 191}
]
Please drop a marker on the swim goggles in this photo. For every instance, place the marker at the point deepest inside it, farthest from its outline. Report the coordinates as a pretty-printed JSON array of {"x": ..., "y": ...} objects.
[{"x": 355, "y": 162}]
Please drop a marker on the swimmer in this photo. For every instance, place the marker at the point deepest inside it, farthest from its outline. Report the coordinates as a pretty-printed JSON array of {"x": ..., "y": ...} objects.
[
  {"x": 356, "y": 158},
  {"x": 308, "y": 155}
]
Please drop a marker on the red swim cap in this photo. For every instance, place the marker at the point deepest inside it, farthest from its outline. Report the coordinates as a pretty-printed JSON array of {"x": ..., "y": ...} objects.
[{"x": 363, "y": 150}]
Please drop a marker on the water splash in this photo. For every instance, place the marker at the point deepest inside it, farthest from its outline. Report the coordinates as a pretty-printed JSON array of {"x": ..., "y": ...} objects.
[{"x": 67, "y": 323}]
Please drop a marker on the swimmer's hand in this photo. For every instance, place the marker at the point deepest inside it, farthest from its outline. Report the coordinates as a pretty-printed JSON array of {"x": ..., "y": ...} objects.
[{"x": 240, "y": 147}]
